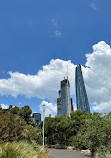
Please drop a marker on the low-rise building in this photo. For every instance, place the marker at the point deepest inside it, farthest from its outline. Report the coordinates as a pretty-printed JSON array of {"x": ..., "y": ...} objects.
[{"x": 37, "y": 117}]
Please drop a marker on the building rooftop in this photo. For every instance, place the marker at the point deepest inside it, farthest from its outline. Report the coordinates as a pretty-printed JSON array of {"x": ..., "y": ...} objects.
[{"x": 65, "y": 82}]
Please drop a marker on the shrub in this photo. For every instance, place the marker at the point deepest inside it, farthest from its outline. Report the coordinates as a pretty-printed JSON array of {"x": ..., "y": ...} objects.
[
  {"x": 12, "y": 127},
  {"x": 21, "y": 150},
  {"x": 104, "y": 152},
  {"x": 33, "y": 134}
]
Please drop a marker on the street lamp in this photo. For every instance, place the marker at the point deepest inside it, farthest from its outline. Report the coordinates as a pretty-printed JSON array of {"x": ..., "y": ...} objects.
[{"x": 43, "y": 122}]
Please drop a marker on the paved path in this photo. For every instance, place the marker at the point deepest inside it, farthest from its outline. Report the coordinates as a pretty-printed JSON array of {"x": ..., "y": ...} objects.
[{"x": 60, "y": 153}]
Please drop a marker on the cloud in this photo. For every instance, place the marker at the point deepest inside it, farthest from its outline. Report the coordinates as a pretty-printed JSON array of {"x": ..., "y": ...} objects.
[
  {"x": 4, "y": 106},
  {"x": 45, "y": 84},
  {"x": 97, "y": 76},
  {"x": 57, "y": 30},
  {"x": 93, "y": 6},
  {"x": 50, "y": 108},
  {"x": 58, "y": 33},
  {"x": 54, "y": 22},
  {"x": 104, "y": 106}
]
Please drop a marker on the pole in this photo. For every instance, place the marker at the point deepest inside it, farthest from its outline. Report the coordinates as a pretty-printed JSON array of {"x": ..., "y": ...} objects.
[{"x": 43, "y": 123}]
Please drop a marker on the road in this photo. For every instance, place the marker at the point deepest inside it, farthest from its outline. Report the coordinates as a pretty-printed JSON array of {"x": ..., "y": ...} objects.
[{"x": 60, "y": 153}]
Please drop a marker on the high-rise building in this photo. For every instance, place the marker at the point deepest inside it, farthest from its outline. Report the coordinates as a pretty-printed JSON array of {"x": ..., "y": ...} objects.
[
  {"x": 59, "y": 106},
  {"x": 81, "y": 95},
  {"x": 37, "y": 117},
  {"x": 64, "y": 104}
]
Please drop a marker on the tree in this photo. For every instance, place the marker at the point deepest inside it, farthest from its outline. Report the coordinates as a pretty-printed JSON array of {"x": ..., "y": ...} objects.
[
  {"x": 50, "y": 130},
  {"x": 25, "y": 113},
  {"x": 0, "y": 107},
  {"x": 11, "y": 127},
  {"x": 33, "y": 134},
  {"x": 63, "y": 128},
  {"x": 98, "y": 133},
  {"x": 15, "y": 110},
  {"x": 79, "y": 118},
  {"x": 108, "y": 115},
  {"x": 10, "y": 107},
  {"x": 58, "y": 129},
  {"x": 31, "y": 121}
]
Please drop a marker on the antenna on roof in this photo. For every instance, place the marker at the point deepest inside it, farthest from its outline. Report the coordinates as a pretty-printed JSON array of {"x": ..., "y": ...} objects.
[{"x": 67, "y": 72}]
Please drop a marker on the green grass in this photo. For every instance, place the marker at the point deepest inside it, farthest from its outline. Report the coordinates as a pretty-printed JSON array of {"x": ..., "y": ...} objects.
[{"x": 21, "y": 150}]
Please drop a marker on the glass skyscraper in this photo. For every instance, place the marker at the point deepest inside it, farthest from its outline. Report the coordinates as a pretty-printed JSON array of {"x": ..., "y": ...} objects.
[
  {"x": 81, "y": 95},
  {"x": 64, "y": 105}
]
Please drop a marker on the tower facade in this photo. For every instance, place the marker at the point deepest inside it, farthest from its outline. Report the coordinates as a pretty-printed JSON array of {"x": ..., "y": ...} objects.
[
  {"x": 64, "y": 100},
  {"x": 81, "y": 95},
  {"x": 37, "y": 117}
]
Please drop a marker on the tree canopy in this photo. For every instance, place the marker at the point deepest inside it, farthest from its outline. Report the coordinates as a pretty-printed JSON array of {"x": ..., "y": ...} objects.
[{"x": 80, "y": 130}]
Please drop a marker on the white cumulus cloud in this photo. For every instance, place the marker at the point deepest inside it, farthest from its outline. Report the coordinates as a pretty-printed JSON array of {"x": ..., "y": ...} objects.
[
  {"x": 45, "y": 84},
  {"x": 104, "y": 106},
  {"x": 50, "y": 108},
  {"x": 97, "y": 76},
  {"x": 4, "y": 106}
]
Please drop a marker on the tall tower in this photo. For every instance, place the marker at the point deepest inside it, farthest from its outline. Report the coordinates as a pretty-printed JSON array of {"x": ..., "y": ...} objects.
[
  {"x": 64, "y": 100},
  {"x": 59, "y": 106},
  {"x": 81, "y": 95}
]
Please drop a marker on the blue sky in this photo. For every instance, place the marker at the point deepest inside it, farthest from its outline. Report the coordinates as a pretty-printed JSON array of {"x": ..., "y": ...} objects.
[{"x": 32, "y": 33}]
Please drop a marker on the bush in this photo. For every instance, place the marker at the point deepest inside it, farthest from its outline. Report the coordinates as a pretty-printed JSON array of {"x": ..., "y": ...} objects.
[
  {"x": 25, "y": 113},
  {"x": 16, "y": 150},
  {"x": 98, "y": 133},
  {"x": 104, "y": 152},
  {"x": 21, "y": 150},
  {"x": 12, "y": 127},
  {"x": 33, "y": 134}
]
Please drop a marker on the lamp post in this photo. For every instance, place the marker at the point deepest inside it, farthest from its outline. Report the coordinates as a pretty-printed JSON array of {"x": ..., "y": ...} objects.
[{"x": 43, "y": 122}]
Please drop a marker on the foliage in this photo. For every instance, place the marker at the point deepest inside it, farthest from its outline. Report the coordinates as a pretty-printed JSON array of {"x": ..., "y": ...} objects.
[
  {"x": 94, "y": 133},
  {"x": 98, "y": 132},
  {"x": 50, "y": 130},
  {"x": 61, "y": 128},
  {"x": 15, "y": 128},
  {"x": 31, "y": 121},
  {"x": 10, "y": 107},
  {"x": 25, "y": 113},
  {"x": 104, "y": 152},
  {"x": 33, "y": 134},
  {"x": 11, "y": 127},
  {"x": 63, "y": 125},
  {"x": 0, "y": 107},
  {"x": 81, "y": 130},
  {"x": 21, "y": 150},
  {"x": 108, "y": 115},
  {"x": 14, "y": 110},
  {"x": 79, "y": 118}
]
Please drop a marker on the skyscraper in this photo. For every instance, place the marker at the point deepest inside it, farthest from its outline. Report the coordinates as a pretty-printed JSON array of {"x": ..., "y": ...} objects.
[
  {"x": 81, "y": 95},
  {"x": 64, "y": 105}
]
